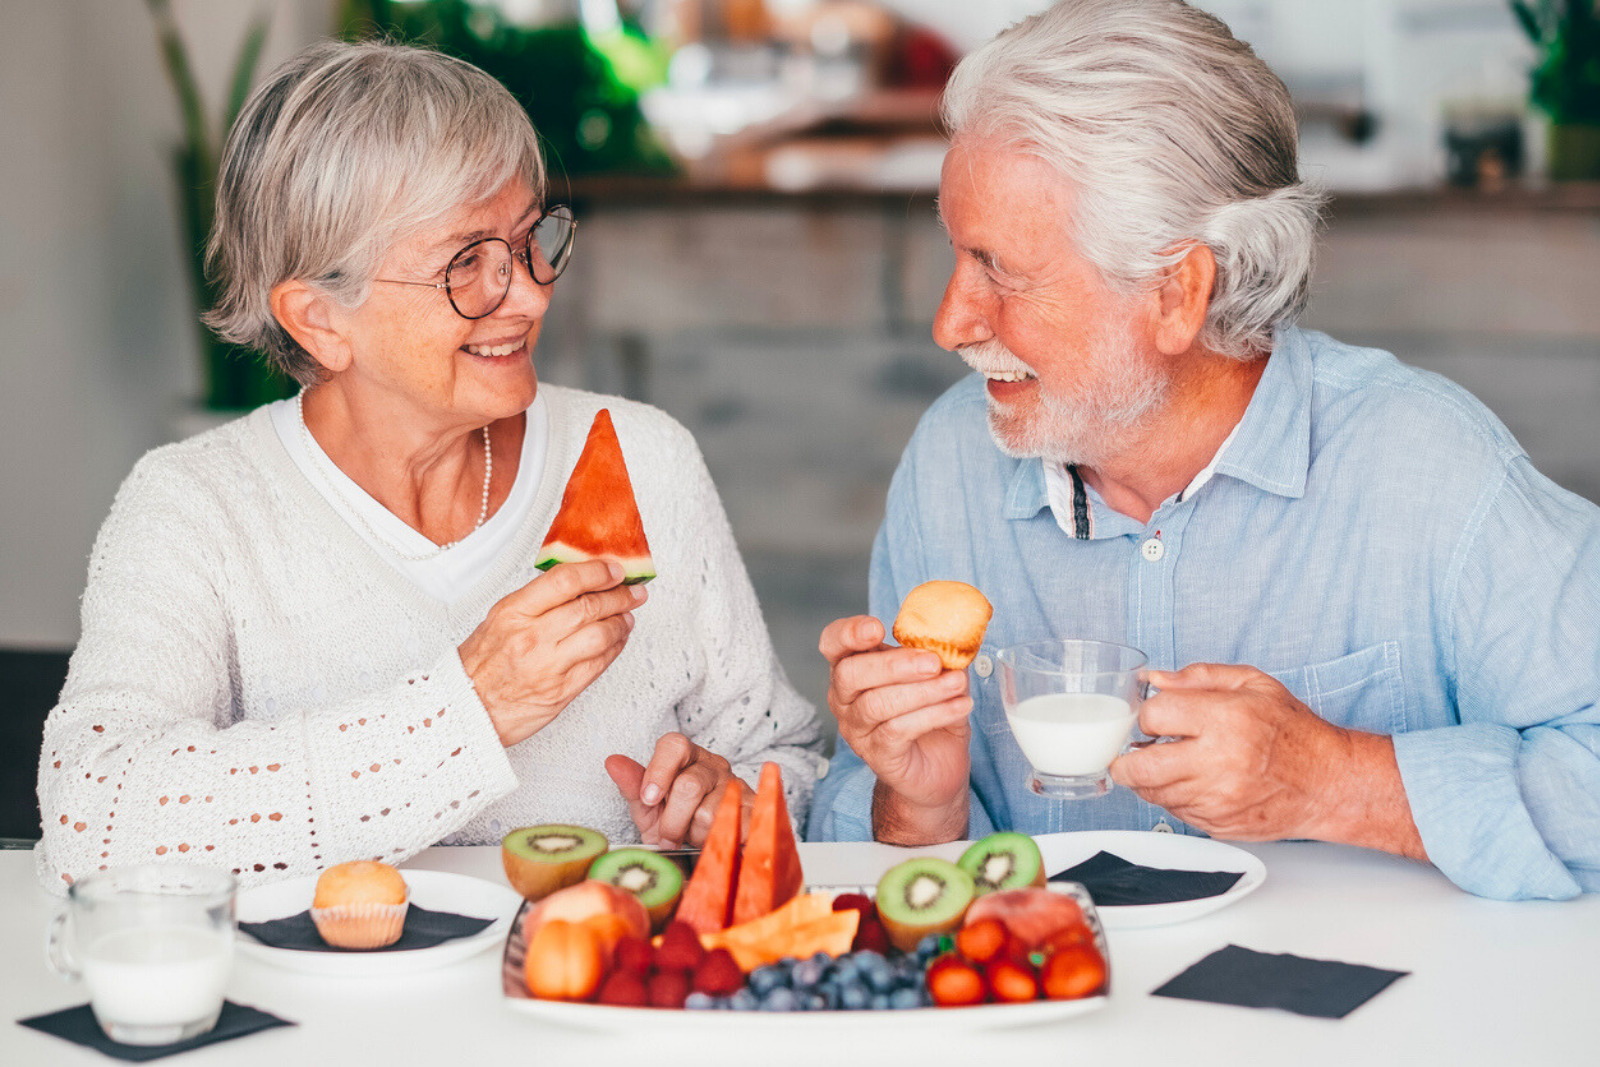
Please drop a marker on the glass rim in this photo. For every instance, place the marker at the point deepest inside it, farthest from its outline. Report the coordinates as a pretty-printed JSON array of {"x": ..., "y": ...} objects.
[
  {"x": 176, "y": 880},
  {"x": 1013, "y": 657}
]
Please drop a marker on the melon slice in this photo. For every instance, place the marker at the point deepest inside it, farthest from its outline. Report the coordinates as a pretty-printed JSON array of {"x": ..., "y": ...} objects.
[
  {"x": 769, "y": 869},
  {"x": 598, "y": 518},
  {"x": 707, "y": 901}
]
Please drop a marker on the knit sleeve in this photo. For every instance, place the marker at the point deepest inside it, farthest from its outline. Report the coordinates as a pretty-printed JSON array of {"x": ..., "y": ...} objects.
[
  {"x": 744, "y": 708},
  {"x": 143, "y": 761}
]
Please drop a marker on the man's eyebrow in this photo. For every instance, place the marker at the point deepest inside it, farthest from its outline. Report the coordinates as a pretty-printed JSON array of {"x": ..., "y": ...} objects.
[{"x": 982, "y": 255}]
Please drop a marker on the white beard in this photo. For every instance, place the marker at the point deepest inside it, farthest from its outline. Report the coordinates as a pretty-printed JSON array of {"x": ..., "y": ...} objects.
[{"x": 1086, "y": 431}]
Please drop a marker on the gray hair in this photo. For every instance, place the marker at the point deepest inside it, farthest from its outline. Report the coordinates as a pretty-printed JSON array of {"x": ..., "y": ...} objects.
[
  {"x": 1171, "y": 132},
  {"x": 342, "y": 151}
]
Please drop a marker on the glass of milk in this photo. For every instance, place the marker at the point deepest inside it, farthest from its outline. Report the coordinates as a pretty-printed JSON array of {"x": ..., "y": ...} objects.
[
  {"x": 1072, "y": 706},
  {"x": 153, "y": 944}
]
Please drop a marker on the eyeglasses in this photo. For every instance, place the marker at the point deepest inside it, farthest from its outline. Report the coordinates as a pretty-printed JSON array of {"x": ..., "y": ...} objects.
[{"x": 479, "y": 276}]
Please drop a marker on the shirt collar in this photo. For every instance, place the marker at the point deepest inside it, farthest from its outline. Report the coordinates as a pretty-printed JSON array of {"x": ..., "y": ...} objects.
[{"x": 1270, "y": 448}]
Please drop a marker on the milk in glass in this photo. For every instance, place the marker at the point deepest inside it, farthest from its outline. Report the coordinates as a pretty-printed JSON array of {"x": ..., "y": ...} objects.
[{"x": 1071, "y": 734}]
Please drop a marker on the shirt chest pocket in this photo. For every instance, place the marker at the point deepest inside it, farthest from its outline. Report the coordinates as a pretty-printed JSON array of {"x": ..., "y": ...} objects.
[{"x": 1361, "y": 691}]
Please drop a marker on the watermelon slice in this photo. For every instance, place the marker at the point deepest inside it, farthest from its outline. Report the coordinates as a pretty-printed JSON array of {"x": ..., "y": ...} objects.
[
  {"x": 598, "y": 518},
  {"x": 707, "y": 900},
  {"x": 769, "y": 871}
]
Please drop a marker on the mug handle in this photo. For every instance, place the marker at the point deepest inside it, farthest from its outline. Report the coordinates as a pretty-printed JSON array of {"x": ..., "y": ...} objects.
[
  {"x": 1142, "y": 739},
  {"x": 57, "y": 953}
]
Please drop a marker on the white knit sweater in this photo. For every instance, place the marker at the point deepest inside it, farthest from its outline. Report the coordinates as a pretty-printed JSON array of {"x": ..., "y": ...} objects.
[{"x": 257, "y": 690}]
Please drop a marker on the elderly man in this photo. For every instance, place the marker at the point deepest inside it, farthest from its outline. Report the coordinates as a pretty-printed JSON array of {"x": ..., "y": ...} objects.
[{"x": 1376, "y": 623}]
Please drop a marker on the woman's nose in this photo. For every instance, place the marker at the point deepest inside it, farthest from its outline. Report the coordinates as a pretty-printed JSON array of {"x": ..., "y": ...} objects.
[{"x": 525, "y": 296}]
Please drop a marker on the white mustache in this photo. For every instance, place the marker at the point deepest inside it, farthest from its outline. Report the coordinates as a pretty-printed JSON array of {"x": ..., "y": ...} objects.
[{"x": 992, "y": 357}]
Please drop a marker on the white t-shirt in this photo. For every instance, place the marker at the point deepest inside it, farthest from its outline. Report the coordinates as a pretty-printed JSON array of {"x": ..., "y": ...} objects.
[{"x": 443, "y": 576}]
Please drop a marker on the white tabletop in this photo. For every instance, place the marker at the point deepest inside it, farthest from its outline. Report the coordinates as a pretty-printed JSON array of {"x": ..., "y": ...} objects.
[{"x": 1490, "y": 983}]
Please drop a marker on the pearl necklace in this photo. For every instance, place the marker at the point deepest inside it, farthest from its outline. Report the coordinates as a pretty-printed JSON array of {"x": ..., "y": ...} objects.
[{"x": 483, "y": 507}]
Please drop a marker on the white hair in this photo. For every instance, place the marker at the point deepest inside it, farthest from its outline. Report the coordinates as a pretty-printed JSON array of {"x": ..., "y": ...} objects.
[
  {"x": 342, "y": 151},
  {"x": 1172, "y": 133}
]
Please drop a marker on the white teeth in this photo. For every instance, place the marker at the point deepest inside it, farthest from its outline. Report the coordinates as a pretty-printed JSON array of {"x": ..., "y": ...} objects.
[
  {"x": 494, "y": 350},
  {"x": 1006, "y": 375}
]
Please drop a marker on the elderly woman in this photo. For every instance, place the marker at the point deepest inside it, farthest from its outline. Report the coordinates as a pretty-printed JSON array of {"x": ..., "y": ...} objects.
[{"x": 317, "y": 633}]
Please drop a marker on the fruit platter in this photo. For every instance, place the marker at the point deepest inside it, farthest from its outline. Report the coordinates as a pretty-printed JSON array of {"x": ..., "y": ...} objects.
[{"x": 604, "y": 934}]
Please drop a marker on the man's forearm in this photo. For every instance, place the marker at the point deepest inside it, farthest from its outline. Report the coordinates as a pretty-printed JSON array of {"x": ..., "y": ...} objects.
[
  {"x": 896, "y": 822},
  {"x": 1366, "y": 800}
]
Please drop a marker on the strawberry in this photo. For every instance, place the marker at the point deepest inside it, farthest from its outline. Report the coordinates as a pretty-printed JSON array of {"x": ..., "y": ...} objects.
[
  {"x": 1011, "y": 982},
  {"x": 633, "y": 954},
  {"x": 667, "y": 989},
  {"x": 680, "y": 948},
  {"x": 983, "y": 940},
  {"x": 854, "y": 902},
  {"x": 623, "y": 988},
  {"x": 871, "y": 935},
  {"x": 953, "y": 982},
  {"x": 718, "y": 975},
  {"x": 1073, "y": 972}
]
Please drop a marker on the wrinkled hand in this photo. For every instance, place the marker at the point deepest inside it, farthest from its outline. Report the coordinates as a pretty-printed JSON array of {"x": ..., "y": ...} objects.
[
  {"x": 1250, "y": 761},
  {"x": 542, "y": 645},
  {"x": 674, "y": 800},
  {"x": 907, "y": 719}
]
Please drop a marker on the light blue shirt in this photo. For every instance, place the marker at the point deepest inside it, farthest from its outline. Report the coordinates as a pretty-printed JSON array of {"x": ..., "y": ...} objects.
[{"x": 1372, "y": 537}]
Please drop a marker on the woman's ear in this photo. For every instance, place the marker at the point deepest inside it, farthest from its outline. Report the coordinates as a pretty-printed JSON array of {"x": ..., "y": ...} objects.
[
  {"x": 310, "y": 318},
  {"x": 1183, "y": 299}
]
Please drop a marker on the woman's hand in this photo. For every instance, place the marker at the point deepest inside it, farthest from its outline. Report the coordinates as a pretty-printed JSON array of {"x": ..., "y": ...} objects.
[
  {"x": 544, "y": 644},
  {"x": 675, "y": 798}
]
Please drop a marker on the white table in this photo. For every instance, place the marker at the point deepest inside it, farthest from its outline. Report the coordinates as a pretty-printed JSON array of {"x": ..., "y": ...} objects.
[{"x": 1491, "y": 983}]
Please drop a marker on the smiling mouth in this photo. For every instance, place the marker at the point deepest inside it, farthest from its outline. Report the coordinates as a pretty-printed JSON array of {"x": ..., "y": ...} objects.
[
  {"x": 497, "y": 351},
  {"x": 1007, "y": 375}
]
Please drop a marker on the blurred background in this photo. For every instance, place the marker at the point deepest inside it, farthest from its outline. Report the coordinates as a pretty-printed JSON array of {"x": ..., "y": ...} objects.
[{"x": 758, "y": 252}]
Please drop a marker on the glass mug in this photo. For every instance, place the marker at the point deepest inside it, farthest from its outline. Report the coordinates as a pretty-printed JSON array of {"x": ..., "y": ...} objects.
[
  {"x": 153, "y": 944},
  {"x": 1072, "y": 706}
]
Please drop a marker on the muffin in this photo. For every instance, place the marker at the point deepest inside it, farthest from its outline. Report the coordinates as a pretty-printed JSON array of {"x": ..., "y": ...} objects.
[
  {"x": 360, "y": 905},
  {"x": 946, "y": 618}
]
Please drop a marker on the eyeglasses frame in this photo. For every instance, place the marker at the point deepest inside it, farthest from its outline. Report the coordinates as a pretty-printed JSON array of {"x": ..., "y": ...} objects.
[{"x": 525, "y": 254}]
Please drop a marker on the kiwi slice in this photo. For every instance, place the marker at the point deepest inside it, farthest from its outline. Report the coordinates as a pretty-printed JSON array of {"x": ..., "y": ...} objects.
[
  {"x": 1003, "y": 861},
  {"x": 920, "y": 897},
  {"x": 542, "y": 859},
  {"x": 650, "y": 876}
]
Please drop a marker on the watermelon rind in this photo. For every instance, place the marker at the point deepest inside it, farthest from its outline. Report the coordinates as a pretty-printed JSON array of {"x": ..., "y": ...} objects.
[{"x": 636, "y": 570}]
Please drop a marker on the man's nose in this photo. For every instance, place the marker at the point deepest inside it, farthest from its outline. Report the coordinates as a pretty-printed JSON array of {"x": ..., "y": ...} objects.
[{"x": 962, "y": 317}]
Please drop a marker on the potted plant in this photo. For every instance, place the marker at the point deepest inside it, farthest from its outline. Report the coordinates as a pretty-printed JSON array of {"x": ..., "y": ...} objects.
[
  {"x": 1566, "y": 81},
  {"x": 235, "y": 378}
]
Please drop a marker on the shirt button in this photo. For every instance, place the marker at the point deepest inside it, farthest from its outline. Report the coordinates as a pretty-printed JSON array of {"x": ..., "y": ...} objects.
[
  {"x": 1162, "y": 827},
  {"x": 984, "y": 666},
  {"x": 1153, "y": 549}
]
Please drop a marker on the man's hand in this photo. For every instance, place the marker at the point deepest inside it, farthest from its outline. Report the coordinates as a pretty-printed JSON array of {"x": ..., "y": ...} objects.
[
  {"x": 674, "y": 800},
  {"x": 1252, "y": 763},
  {"x": 542, "y": 645},
  {"x": 906, "y": 718}
]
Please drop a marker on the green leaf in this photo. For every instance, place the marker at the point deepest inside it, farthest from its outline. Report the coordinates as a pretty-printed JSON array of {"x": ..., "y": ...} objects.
[
  {"x": 1530, "y": 22},
  {"x": 244, "y": 70},
  {"x": 176, "y": 60}
]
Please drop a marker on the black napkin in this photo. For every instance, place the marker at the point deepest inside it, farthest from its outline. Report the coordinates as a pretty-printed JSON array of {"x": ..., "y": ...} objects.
[
  {"x": 423, "y": 929},
  {"x": 1112, "y": 880},
  {"x": 1326, "y": 989},
  {"x": 78, "y": 1026}
]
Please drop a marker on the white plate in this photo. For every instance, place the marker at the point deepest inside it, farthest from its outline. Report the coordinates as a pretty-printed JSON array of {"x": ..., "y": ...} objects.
[
  {"x": 980, "y": 1017},
  {"x": 1169, "y": 851},
  {"x": 434, "y": 890}
]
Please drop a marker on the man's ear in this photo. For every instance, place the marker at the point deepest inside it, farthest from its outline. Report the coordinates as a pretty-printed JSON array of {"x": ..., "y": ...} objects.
[
  {"x": 1182, "y": 299},
  {"x": 310, "y": 318}
]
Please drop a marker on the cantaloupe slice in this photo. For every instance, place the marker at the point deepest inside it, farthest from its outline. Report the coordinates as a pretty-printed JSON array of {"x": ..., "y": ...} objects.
[
  {"x": 769, "y": 871},
  {"x": 803, "y": 909},
  {"x": 707, "y": 900},
  {"x": 833, "y": 933},
  {"x": 598, "y": 517}
]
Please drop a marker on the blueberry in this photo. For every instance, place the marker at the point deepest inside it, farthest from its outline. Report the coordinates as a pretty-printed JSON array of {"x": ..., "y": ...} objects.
[
  {"x": 807, "y": 973},
  {"x": 879, "y": 1002},
  {"x": 846, "y": 968},
  {"x": 853, "y": 998},
  {"x": 780, "y": 999},
  {"x": 814, "y": 1002},
  {"x": 880, "y": 979},
  {"x": 764, "y": 980},
  {"x": 698, "y": 1002},
  {"x": 905, "y": 998},
  {"x": 928, "y": 947}
]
